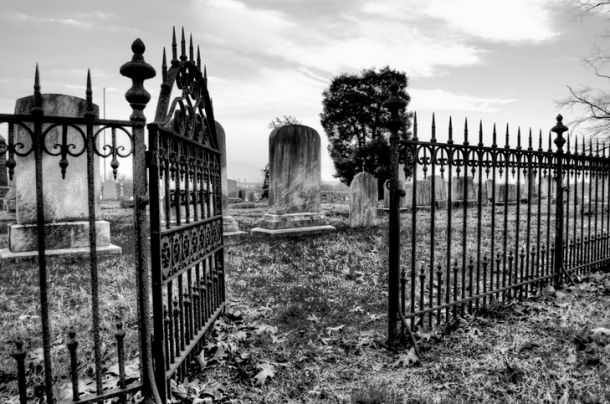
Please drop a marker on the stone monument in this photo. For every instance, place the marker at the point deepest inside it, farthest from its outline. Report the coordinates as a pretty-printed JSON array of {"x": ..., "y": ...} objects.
[
  {"x": 363, "y": 201},
  {"x": 109, "y": 191},
  {"x": 294, "y": 183},
  {"x": 66, "y": 201},
  {"x": 230, "y": 227}
]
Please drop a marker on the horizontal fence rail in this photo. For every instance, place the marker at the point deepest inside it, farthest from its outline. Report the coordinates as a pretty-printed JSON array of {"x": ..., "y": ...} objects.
[{"x": 489, "y": 224}]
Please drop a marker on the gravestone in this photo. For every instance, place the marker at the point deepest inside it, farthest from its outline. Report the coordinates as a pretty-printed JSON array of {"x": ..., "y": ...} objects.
[
  {"x": 463, "y": 190},
  {"x": 294, "y": 183},
  {"x": 66, "y": 201},
  {"x": 505, "y": 193},
  {"x": 232, "y": 188},
  {"x": 363, "y": 201},
  {"x": 423, "y": 197},
  {"x": 121, "y": 191},
  {"x": 230, "y": 227},
  {"x": 109, "y": 191}
]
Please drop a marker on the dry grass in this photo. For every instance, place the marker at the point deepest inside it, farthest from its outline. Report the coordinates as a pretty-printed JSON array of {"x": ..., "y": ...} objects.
[{"x": 306, "y": 324}]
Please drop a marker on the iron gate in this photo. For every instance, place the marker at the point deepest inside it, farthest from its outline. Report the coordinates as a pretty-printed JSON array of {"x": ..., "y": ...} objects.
[
  {"x": 186, "y": 218},
  {"x": 510, "y": 238},
  {"x": 180, "y": 275}
]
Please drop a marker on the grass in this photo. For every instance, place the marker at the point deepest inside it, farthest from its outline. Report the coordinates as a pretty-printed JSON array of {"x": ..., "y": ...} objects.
[{"x": 307, "y": 320}]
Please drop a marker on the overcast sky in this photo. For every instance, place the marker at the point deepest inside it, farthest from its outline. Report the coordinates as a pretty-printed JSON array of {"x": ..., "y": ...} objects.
[{"x": 490, "y": 60}]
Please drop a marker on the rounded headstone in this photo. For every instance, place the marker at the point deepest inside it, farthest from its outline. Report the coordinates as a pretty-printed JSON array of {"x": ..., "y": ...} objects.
[
  {"x": 224, "y": 183},
  {"x": 294, "y": 170},
  {"x": 363, "y": 200}
]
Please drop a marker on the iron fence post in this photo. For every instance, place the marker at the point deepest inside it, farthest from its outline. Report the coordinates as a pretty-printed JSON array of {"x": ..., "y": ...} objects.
[
  {"x": 137, "y": 96},
  {"x": 393, "y": 104},
  {"x": 559, "y": 141}
]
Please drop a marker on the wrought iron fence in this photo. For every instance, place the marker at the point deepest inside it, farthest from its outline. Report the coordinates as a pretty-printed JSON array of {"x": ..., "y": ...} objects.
[
  {"x": 489, "y": 224},
  {"x": 180, "y": 274}
]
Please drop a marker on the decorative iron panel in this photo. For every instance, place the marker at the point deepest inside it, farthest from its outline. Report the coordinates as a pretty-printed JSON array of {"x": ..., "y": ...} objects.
[{"x": 186, "y": 218}]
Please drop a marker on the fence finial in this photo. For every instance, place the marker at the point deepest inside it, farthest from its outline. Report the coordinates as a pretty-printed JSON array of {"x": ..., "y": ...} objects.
[
  {"x": 480, "y": 133},
  {"x": 576, "y": 145},
  {"x": 37, "y": 108},
  {"x": 138, "y": 71},
  {"x": 550, "y": 143},
  {"x": 568, "y": 145},
  {"x": 507, "y": 145},
  {"x": 434, "y": 128},
  {"x": 163, "y": 68},
  {"x": 597, "y": 148},
  {"x": 529, "y": 144},
  {"x": 494, "y": 136},
  {"x": 450, "y": 129},
  {"x": 89, "y": 112},
  {"x": 174, "y": 48},
  {"x": 591, "y": 147},
  {"x": 191, "y": 56},
  {"x": 466, "y": 132},
  {"x": 198, "y": 58},
  {"x": 518, "y": 138},
  {"x": 559, "y": 129},
  {"x": 183, "y": 47}
]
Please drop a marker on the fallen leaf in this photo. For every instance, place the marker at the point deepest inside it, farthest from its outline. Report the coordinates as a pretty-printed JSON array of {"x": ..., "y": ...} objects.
[
  {"x": 314, "y": 318},
  {"x": 334, "y": 329},
  {"x": 527, "y": 345},
  {"x": 201, "y": 360},
  {"x": 267, "y": 371},
  {"x": 407, "y": 359}
]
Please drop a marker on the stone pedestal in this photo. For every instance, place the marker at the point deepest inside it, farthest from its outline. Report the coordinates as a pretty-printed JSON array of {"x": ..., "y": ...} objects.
[
  {"x": 230, "y": 227},
  {"x": 294, "y": 184},
  {"x": 363, "y": 201},
  {"x": 66, "y": 200}
]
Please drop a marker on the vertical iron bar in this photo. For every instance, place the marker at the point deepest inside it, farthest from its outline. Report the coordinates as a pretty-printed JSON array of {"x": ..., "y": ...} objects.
[
  {"x": 559, "y": 129},
  {"x": 433, "y": 152},
  {"x": 19, "y": 355},
  {"x": 480, "y": 157},
  {"x": 72, "y": 344},
  {"x": 450, "y": 151}
]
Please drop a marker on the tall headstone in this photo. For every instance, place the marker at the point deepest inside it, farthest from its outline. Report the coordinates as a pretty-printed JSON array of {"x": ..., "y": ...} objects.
[
  {"x": 363, "y": 201},
  {"x": 294, "y": 183},
  {"x": 66, "y": 201},
  {"x": 109, "y": 190},
  {"x": 232, "y": 188},
  {"x": 463, "y": 190},
  {"x": 230, "y": 227}
]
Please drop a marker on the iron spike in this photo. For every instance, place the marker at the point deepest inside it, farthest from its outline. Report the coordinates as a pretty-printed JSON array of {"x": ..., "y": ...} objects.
[
  {"x": 89, "y": 113},
  {"x": 191, "y": 49},
  {"x": 205, "y": 75},
  {"x": 507, "y": 136},
  {"x": 550, "y": 142},
  {"x": 174, "y": 47},
  {"x": 494, "y": 137},
  {"x": 198, "y": 58},
  {"x": 597, "y": 147},
  {"x": 518, "y": 137},
  {"x": 481, "y": 133},
  {"x": 591, "y": 147},
  {"x": 575, "y": 144},
  {"x": 466, "y": 131},
  {"x": 530, "y": 141},
  {"x": 183, "y": 47},
  {"x": 37, "y": 108},
  {"x": 415, "y": 126},
  {"x": 584, "y": 152},
  {"x": 540, "y": 140},
  {"x": 164, "y": 67},
  {"x": 434, "y": 128},
  {"x": 568, "y": 148},
  {"x": 604, "y": 149}
]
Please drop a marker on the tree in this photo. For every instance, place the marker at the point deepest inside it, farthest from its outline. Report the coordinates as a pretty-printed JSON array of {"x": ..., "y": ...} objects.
[
  {"x": 354, "y": 121},
  {"x": 286, "y": 120},
  {"x": 594, "y": 102},
  {"x": 265, "y": 172}
]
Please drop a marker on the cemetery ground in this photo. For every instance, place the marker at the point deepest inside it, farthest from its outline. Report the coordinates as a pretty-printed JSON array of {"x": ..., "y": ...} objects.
[{"x": 306, "y": 321}]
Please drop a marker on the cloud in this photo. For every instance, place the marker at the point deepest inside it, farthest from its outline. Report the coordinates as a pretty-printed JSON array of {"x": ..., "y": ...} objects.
[{"x": 438, "y": 100}]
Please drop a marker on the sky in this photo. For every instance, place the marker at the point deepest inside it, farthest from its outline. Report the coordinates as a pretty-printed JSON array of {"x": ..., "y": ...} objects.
[{"x": 490, "y": 61}]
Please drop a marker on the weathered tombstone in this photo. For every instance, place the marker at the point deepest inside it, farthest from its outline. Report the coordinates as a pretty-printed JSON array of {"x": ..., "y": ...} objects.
[
  {"x": 66, "y": 201},
  {"x": 363, "y": 201},
  {"x": 294, "y": 183},
  {"x": 463, "y": 190},
  {"x": 230, "y": 227},
  {"x": 505, "y": 193},
  {"x": 121, "y": 191},
  {"x": 109, "y": 190},
  {"x": 232, "y": 188}
]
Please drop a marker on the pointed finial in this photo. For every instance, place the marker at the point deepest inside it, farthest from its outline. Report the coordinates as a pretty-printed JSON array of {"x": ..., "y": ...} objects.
[
  {"x": 597, "y": 148},
  {"x": 507, "y": 136},
  {"x": 591, "y": 147},
  {"x": 529, "y": 143},
  {"x": 434, "y": 128},
  {"x": 174, "y": 48},
  {"x": 415, "y": 126},
  {"x": 480, "y": 133},
  {"x": 466, "y": 131},
  {"x": 550, "y": 142},
  {"x": 198, "y": 59},
  {"x": 183, "y": 47},
  {"x": 89, "y": 112},
  {"x": 568, "y": 146},
  {"x": 37, "y": 108},
  {"x": 164, "y": 68},
  {"x": 494, "y": 137},
  {"x": 540, "y": 140},
  {"x": 575, "y": 144},
  {"x": 191, "y": 58},
  {"x": 519, "y": 138}
]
